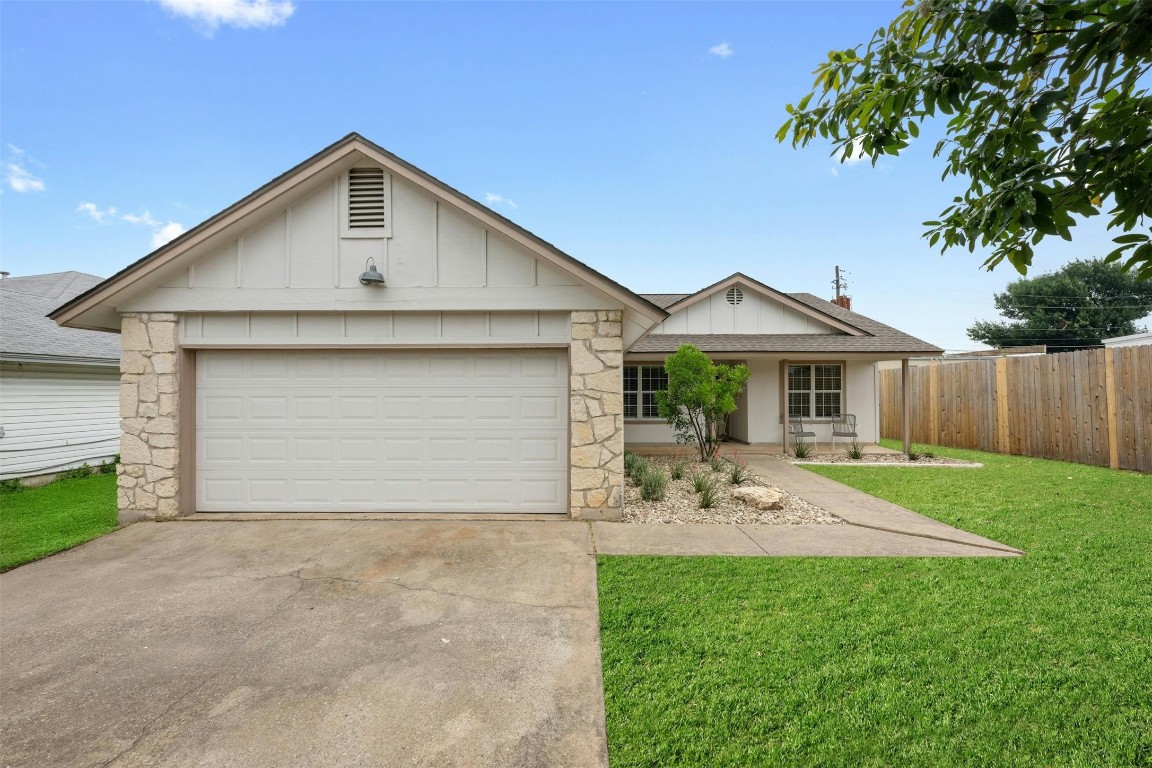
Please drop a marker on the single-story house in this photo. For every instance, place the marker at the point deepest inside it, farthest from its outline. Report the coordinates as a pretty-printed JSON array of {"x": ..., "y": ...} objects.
[
  {"x": 59, "y": 387},
  {"x": 357, "y": 336}
]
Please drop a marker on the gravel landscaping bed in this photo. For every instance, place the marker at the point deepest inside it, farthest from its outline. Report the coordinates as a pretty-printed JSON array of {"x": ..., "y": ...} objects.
[
  {"x": 681, "y": 504},
  {"x": 873, "y": 458}
]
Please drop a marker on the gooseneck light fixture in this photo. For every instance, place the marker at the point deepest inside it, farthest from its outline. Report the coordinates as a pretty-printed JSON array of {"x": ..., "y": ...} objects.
[{"x": 371, "y": 276}]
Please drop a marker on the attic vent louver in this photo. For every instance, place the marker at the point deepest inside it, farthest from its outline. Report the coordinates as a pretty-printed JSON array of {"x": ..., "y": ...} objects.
[
  {"x": 366, "y": 198},
  {"x": 735, "y": 295}
]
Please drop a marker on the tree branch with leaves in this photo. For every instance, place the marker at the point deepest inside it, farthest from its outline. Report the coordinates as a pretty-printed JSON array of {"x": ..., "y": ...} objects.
[
  {"x": 701, "y": 395},
  {"x": 1049, "y": 117}
]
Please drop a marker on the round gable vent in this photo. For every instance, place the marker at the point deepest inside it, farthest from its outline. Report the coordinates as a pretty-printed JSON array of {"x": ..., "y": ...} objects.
[{"x": 735, "y": 295}]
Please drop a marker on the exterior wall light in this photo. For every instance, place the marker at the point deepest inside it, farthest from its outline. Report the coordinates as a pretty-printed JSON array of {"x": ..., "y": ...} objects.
[{"x": 371, "y": 276}]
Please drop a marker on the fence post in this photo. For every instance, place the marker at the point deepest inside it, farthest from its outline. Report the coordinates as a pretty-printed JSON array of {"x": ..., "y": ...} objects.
[
  {"x": 934, "y": 403},
  {"x": 906, "y": 405},
  {"x": 1110, "y": 407},
  {"x": 1002, "y": 445}
]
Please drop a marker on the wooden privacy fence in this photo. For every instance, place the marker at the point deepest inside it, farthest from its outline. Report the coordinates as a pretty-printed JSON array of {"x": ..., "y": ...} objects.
[{"x": 1092, "y": 406}]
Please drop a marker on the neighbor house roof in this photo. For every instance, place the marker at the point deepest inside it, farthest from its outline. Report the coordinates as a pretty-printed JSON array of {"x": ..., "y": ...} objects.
[
  {"x": 326, "y": 159},
  {"x": 26, "y": 332},
  {"x": 874, "y": 337}
]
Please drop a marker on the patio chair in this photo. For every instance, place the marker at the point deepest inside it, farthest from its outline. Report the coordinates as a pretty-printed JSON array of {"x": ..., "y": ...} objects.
[
  {"x": 844, "y": 426},
  {"x": 797, "y": 431}
]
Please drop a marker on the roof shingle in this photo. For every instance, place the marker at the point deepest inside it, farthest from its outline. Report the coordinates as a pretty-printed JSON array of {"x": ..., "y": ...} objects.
[
  {"x": 880, "y": 338},
  {"x": 26, "y": 330}
]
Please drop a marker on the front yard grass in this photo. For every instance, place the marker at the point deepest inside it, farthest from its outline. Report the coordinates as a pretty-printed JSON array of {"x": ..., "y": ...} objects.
[
  {"x": 37, "y": 522},
  {"x": 1042, "y": 660}
]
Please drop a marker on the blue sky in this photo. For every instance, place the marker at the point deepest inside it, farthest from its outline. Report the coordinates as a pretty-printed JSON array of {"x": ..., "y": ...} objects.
[{"x": 635, "y": 136}]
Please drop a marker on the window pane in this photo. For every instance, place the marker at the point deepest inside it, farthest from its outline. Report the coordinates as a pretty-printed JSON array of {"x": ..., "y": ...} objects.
[
  {"x": 651, "y": 411},
  {"x": 827, "y": 405},
  {"x": 630, "y": 405},
  {"x": 827, "y": 377},
  {"x": 629, "y": 378},
  {"x": 799, "y": 377},
  {"x": 653, "y": 378},
  {"x": 798, "y": 403}
]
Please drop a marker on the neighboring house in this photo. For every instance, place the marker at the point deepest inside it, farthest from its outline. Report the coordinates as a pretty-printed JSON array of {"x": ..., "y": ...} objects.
[
  {"x": 59, "y": 387},
  {"x": 356, "y": 336},
  {"x": 1134, "y": 340},
  {"x": 806, "y": 357}
]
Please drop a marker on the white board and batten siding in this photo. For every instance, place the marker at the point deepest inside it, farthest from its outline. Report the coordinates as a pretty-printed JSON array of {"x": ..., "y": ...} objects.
[
  {"x": 382, "y": 431},
  {"x": 741, "y": 310},
  {"x": 377, "y": 329},
  {"x": 56, "y": 417},
  {"x": 434, "y": 258}
]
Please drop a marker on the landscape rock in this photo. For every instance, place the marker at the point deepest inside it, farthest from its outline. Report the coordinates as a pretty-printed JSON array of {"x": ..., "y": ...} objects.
[{"x": 765, "y": 497}]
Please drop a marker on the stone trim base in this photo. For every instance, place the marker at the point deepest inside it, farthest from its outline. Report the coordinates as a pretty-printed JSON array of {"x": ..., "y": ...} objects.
[{"x": 597, "y": 413}]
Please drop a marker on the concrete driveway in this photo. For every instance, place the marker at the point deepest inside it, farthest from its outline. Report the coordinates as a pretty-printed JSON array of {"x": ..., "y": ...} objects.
[{"x": 306, "y": 643}]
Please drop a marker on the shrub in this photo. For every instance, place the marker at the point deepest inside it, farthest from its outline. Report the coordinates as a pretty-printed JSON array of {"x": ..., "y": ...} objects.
[
  {"x": 84, "y": 470},
  {"x": 855, "y": 450},
  {"x": 11, "y": 486},
  {"x": 716, "y": 463},
  {"x": 653, "y": 485},
  {"x": 678, "y": 468},
  {"x": 639, "y": 469},
  {"x": 737, "y": 473},
  {"x": 913, "y": 456},
  {"x": 699, "y": 481},
  {"x": 802, "y": 449},
  {"x": 708, "y": 494}
]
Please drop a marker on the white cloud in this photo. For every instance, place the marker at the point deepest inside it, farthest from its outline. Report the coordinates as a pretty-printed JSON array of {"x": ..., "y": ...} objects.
[
  {"x": 16, "y": 172},
  {"x": 95, "y": 213},
  {"x": 723, "y": 50},
  {"x": 142, "y": 219},
  {"x": 494, "y": 199},
  {"x": 166, "y": 234},
  {"x": 162, "y": 232},
  {"x": 242, "y": 14}
]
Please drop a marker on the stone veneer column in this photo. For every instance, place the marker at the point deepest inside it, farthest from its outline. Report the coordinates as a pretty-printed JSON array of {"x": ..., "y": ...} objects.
[
  {"x": 148, "y": 484},
  {"x": 597, "y": 412}
]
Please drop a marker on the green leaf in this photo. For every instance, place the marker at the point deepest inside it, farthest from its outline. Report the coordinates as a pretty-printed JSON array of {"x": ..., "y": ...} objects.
[{"x": 1001, "y": 18}]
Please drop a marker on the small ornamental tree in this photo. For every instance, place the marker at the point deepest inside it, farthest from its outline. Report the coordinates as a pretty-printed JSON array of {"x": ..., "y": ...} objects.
[{"x": 700, "y": 397}]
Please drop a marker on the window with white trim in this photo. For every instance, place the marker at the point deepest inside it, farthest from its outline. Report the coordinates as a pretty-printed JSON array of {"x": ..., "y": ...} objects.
[
  {"x": 815, "y": 390},
  {"x": 641, "y": 383}
]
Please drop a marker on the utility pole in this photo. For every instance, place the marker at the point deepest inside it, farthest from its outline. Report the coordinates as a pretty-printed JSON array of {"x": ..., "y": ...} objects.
[{"x": 842, "y": 300}]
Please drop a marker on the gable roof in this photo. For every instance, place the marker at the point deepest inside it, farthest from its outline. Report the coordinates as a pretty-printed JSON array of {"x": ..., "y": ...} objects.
[
  {"x": 327, "y": 159},
  {"x": 872, "y": 336},
  {"x": 738, "y": 277},
  {"x": 26, "y": 332}
]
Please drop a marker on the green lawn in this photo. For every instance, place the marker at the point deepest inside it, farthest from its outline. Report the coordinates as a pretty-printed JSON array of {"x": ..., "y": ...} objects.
[
  {"x": 1044, "y": 660},
  {"x": 36, "y": 522}
]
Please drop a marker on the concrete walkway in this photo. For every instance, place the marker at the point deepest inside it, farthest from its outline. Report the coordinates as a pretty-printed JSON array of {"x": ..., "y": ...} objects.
[{"x": 876, "y": 528}]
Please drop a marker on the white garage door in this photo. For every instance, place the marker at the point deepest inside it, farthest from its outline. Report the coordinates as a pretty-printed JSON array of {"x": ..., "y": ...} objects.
[{"x": 383, "y": 431}]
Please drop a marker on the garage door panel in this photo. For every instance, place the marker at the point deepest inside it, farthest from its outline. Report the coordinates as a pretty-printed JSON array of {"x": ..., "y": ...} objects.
[
  {"x": 435, "y": 492},
  {"x": 286, "y": 453},
  {"x": 382, "y": 431}
]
